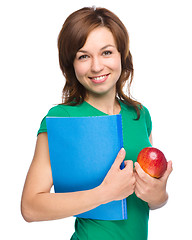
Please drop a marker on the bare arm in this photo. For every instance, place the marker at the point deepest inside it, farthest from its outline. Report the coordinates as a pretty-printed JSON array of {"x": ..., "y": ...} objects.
[
  {"x": 150, "y": 189},
  {"x": 38, "y": 204}
]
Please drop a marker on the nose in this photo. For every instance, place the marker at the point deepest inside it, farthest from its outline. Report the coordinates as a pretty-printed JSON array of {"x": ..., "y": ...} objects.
[{"x": 97, "y": 64}]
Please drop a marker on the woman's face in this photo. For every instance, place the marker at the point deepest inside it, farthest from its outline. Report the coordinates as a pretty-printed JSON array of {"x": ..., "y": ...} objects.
[{"x": 98, "y": 63}]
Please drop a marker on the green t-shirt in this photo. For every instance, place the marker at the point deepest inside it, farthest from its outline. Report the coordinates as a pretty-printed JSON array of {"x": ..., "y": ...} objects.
[{"x": 135, "y": 137}]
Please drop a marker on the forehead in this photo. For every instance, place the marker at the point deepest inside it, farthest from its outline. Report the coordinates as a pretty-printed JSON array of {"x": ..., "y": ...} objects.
[{"x": 99, "y": 37}]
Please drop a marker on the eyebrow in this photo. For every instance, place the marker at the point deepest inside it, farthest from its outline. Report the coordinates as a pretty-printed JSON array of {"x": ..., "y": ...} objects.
[{"x": 108, "y": 45}]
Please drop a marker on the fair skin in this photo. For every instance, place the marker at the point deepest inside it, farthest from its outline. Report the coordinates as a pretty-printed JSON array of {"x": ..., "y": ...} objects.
[
  {"x": 99, "y": 57},
  {"x": 149, "y": 189},
  {"x": 97, "y": 66}
]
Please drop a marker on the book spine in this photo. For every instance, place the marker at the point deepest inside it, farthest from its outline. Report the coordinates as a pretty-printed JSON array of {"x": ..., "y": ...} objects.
[
  {"x": 124, "y": 209},
  {"x": 120, "y": 134}
]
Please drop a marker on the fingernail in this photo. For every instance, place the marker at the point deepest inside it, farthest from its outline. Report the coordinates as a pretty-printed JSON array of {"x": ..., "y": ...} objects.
[{"x": 122, "y": 151}]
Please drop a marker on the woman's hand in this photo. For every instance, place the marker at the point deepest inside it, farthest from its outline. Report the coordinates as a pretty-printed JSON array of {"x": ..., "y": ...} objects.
[
  {"x": 119, "y": 184},
  {"x": 152, "y": 190}
]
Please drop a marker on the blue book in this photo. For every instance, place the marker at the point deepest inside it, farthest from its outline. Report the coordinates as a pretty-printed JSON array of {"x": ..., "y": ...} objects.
[{"x": 82, "y": 150}]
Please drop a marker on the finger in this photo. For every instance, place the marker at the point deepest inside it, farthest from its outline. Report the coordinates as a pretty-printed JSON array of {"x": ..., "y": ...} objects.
[
  {"x": 141, "y": 173},
  {"x": 138, "y": 179},
  {"x": 138, "y": 190},
  {"x": 168, "y": 171},
  {"x": 119, "y": 159},
  {"x": 128, "y": 165}
]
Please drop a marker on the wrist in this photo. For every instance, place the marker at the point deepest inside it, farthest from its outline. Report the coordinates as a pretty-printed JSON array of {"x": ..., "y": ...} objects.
[
  {"x": 159, "y": 202},
  {"x": 103, "y": 194}
]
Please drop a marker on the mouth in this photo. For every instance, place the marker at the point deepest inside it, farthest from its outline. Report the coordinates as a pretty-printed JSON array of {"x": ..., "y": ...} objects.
[{"x": 99, "y": 79}]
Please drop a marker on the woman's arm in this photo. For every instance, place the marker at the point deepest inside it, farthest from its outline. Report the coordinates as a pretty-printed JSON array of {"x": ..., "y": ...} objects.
[
  {"x": 150, "y": 189},
  {"x": 151, "y": 139},
  {"x": 38, "y": 204}
]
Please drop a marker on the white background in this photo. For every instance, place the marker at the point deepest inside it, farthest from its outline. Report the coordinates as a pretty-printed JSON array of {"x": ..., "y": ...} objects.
[{"x": 31, "y": 83}]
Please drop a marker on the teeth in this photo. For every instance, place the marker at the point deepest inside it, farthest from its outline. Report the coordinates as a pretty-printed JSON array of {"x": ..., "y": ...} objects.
[{"x": 99, "y": 78}]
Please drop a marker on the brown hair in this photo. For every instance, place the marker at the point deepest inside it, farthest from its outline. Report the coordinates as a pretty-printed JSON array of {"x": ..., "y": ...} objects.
[{"x": 73, "y": 36}]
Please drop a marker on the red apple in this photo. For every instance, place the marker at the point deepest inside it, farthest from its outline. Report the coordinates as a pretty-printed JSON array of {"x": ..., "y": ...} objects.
[{"x": 152, "y": 161}]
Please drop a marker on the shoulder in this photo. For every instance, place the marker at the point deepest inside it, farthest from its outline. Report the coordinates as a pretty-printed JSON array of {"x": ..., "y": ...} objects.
[
  {"x": 63, "y": 110},
  {"x": 143, "y": 110},
  {"x": 147, "y": 117},
  {"x": 58, "y": 111},
  {"x": 130, "y": 110},
  {"x": 145, "y": 114}
]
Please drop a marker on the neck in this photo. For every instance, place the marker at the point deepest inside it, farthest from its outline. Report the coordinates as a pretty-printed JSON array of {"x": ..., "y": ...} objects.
[{"x": 107, "y": 105}]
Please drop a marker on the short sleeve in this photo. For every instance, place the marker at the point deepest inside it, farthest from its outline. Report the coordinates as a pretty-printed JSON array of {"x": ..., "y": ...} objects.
[
  {"x": 43, "y": 127},
  {"x": 148, "y": 120},
  {"x": 57, "y": 111}
]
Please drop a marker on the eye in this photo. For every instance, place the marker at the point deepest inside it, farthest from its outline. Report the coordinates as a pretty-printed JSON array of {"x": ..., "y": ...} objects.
[
  {"x": 82, "y": 57},
  {"x": 107, "y": 53}
]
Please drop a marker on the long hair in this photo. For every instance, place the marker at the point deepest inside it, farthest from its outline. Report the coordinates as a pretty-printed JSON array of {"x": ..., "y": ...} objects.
[{"x": 72, "y": 37}]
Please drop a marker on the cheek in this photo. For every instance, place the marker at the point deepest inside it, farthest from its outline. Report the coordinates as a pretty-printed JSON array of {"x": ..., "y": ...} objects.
[
  {"x": 116, "y": 65},
  {"x": 80, "y": 70},
  {"x": 119, "y": 67}
]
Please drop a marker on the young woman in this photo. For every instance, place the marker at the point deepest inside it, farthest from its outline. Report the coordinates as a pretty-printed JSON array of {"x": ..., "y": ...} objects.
[{"x": 96, "y": 62}]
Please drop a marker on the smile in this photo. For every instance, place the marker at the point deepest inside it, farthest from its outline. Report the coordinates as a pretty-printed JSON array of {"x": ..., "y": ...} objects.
[{"x": 99, "y": 79}]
